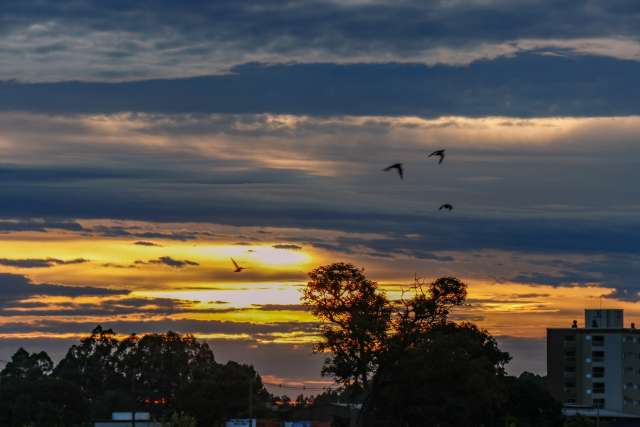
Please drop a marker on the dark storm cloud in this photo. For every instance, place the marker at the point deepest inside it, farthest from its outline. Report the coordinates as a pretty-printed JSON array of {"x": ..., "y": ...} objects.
[
  {"x": 520, "y": 86},
  {"x": 39, "y": 263}
]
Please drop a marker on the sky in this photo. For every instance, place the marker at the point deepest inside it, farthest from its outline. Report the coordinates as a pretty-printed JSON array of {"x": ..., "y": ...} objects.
[{"x": 146, "y": 143}]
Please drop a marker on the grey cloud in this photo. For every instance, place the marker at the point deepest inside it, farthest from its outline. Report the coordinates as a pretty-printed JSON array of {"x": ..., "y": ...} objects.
[
  {"x": 513, "y": 86},
  {"x": 616, "y": 271},
  {"x": 288, "y": 246},
  {"x": 145, "y": 243},
  {"x": 9, "y": 225},
  {"x": 198, "y": 37},
  {"x": 168, "y": 261},
  {"x": 40, "y": 263},
  {"x": 14, "y": 287},
  {"x": 122, "y": 231},
  {"x": 177, "y": 325},
  {"x": 281, "y": 307}
]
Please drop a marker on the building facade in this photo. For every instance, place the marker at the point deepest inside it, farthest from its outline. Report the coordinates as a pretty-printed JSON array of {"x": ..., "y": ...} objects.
[{"x": 596, "y": 368}]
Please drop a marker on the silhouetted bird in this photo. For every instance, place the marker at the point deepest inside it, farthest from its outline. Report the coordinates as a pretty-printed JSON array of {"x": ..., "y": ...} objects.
[
  {"x": 238, "y": 268},
  {"x": 446, "y": 206},
  {"x": 397, "y": 166},
  {"x": 438, "y": 153}
]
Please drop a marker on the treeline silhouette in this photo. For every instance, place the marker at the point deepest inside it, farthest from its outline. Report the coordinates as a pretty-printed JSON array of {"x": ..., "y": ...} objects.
[
  {"x": 403, "y": 362},
  {"x": 164, "y": 374}
]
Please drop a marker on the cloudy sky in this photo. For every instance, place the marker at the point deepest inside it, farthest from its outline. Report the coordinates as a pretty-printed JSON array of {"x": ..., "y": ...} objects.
[{"x": 145, "y": 143}]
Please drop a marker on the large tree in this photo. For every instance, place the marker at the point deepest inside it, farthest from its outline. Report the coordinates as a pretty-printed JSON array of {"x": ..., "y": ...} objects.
[
  {"x": 30, "y": 395},
  {"x": 419, "y": 367},
  {"x": 155, "y": 366},
  {"x": 26, "y": 366},
  {"x": 452, "y": 376},
  {"x": 232, "y": 391},
  {"x": 355, "y": 317},
  {"x": 90, "y": 364}
]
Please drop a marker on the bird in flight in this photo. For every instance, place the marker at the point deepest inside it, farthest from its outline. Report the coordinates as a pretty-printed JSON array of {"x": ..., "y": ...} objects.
[
  {"x": 438, "y": 153},
  {"x": 446, "y": 206},
  {"x": 397, "y": 166},
  {"x": 237, "y": 266}
]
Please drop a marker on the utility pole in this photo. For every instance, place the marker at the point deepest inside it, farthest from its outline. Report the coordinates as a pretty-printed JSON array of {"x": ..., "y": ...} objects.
[
  {"x": 251, "y": 400},
  {"x": 133, "y": 393}
]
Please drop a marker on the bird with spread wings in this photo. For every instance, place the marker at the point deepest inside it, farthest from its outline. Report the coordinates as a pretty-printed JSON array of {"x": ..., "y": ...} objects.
[
  {"x": 238, "y": 268},
  {"x": 438, "y": 153},
  {"x": 398, "y": 167}
]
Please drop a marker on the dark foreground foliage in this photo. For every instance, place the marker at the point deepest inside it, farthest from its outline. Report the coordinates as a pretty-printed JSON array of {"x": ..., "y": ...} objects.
[
  {"x": 405, "y": 361},
  {"x": 160, "y": 373},
  {"x": 410, "y": 365}
]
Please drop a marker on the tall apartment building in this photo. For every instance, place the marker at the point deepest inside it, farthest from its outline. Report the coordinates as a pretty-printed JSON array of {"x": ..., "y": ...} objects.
[{"x": 596, "y": 368}]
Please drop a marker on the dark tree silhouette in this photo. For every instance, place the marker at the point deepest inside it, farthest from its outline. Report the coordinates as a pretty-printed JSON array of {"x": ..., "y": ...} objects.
[
  {"x": 529, "y": 402},
  {"x": 355, "y": 316},
  {"x": 30, "y": 396},
  {"x": 417, "y": 367},
  {"x": 26, "y": 366},
  {"x": 451, "y": 376},
  {"x": 91, "y": 363}
]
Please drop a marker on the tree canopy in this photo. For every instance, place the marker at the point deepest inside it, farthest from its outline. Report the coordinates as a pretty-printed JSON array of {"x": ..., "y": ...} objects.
[
  {"x": 409, "y": 363},
  {"x": 164, "y": 374}
]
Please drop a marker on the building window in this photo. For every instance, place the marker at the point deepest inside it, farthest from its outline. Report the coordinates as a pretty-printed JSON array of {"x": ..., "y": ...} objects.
[
  {"x": 598, "y": 387},
  {"x": 597, "y": 341},
  {"x": 628, "y": 370},
  {"x": 598, "y": 356},
  {"x": 597, "y": 371},
  {"x": 598, "y": 403}
]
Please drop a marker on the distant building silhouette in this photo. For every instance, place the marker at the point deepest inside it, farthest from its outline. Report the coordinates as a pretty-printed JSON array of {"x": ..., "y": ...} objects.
[
  {"x": 125, "y": 419},
  {"x": 595, "y": 371}
]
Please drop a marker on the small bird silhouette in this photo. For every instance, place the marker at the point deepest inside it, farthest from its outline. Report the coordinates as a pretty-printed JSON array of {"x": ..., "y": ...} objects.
[
  {"x": 238, "y": 268},
  {"x": 397, "y": 166},
  {"x": 446, "y": 206},
  {"x": 438, "y": 153}
]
